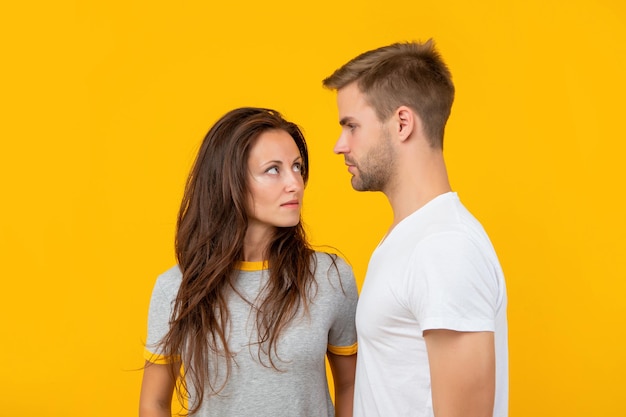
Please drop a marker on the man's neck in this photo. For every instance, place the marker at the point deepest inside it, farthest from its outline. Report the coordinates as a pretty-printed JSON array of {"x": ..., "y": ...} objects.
[{"x": 415, "y": 187}]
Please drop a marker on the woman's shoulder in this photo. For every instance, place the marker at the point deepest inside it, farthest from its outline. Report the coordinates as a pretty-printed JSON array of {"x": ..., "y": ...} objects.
[
  {"x": 328, "y": 258},
  {"x": 334, "y": 275},
  {"x": 332, "y": 264},
  {"x": 169, "y": 281}
]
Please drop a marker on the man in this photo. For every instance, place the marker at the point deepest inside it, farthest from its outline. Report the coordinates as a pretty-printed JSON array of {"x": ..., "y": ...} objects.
[{"x": 431, "y": 318}]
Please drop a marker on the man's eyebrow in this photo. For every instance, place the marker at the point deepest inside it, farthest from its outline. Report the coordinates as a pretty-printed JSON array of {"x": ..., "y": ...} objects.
[{"x": 345, "y": 121}]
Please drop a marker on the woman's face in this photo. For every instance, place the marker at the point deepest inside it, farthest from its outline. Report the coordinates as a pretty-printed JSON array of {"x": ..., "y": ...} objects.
[{"x": 275, "y": 183}]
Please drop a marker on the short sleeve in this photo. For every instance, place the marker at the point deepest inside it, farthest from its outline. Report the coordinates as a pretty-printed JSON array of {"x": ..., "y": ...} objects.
[
  {"x": 452, "y": 284},
  {"x": 159, "y": 314},
  {"x": 342, "y": 339}
]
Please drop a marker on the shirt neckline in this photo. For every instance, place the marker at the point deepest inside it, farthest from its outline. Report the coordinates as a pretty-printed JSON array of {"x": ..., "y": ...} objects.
[{"x": 252, "y": 266}]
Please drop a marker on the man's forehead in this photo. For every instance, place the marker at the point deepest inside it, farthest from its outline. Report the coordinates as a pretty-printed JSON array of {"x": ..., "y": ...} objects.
[
  {"x": 351, "y": 98},
  {"x": 352, "y": 104},
  {"x": 349, "y": 92}
]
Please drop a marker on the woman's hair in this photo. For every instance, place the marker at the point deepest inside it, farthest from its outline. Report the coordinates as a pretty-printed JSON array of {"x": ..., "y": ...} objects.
[{"x": 212, "y": 223}]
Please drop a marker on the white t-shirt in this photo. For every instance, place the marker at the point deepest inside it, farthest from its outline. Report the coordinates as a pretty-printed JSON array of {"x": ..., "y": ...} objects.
[{"x": 436, "y": 269}]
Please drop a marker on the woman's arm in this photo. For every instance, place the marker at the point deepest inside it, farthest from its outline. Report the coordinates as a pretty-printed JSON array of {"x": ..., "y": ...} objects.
[
  {"x": 157, "y": 388},
  {"x": 343, "y": 369}
]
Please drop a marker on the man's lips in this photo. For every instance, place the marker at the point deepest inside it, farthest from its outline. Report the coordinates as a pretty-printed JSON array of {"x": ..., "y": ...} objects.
[{"x": 351, "y": 166}]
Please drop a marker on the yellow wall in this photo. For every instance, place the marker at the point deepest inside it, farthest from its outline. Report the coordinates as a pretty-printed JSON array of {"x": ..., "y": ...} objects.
[{"x": 103, "y": 107}]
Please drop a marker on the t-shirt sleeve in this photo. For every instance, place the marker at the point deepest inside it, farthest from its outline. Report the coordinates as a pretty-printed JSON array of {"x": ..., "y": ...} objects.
[
  {"x": 159, "y": 314},
  {"x": 452, "y": 284},
  {"x": 342, "y": 335}
]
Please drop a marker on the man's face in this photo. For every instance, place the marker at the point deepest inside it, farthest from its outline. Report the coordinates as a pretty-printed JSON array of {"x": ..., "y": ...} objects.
[{"x": 365, "y": 142}]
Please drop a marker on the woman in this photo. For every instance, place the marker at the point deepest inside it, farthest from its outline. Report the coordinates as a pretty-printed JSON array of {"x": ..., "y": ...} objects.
[{"x": 250, "y": 311}]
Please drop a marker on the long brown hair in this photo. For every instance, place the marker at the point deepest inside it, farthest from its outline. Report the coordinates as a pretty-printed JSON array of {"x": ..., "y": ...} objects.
[{"x": 212, "y": 223}]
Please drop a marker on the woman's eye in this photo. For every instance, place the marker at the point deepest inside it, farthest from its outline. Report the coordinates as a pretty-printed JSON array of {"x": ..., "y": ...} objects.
[
  {"x": 351, "y": 127},
  {"x": 297, "y": 167},
  {"x": 272, "y": 170}
]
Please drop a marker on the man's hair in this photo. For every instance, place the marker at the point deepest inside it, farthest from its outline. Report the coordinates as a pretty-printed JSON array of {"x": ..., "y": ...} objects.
[{"x": 403, "y": 74}]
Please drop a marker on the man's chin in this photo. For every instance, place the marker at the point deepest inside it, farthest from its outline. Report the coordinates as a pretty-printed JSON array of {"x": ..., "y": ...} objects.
[{"x": 357, "y": 185}]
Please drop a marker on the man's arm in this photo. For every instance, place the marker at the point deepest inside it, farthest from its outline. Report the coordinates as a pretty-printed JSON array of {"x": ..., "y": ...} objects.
[
  {"x": 343, "y": 369},
  {"x": 462, "y": 371}
]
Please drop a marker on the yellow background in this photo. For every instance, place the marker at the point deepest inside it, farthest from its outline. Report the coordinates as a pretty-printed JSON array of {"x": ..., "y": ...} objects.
[{"x": 105, "y": 103}]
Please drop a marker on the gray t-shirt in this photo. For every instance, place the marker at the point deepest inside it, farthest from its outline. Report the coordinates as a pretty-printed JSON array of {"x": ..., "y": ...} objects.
[{"x": 254, "y": 388}]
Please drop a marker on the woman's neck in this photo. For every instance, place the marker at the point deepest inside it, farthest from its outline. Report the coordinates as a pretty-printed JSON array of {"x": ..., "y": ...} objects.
[{"x": 256, "y": 243}]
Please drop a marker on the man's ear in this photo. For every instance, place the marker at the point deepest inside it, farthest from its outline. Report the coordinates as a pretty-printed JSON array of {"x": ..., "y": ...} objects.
[{"x": 408, "y": 123}]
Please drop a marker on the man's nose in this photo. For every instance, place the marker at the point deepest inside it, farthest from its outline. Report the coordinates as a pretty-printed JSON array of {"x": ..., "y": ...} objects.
[{"x": 341, "y": 146}]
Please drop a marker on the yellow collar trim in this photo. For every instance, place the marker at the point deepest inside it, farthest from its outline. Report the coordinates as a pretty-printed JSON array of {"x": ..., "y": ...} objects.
[{"x": 252, "y": 266}]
